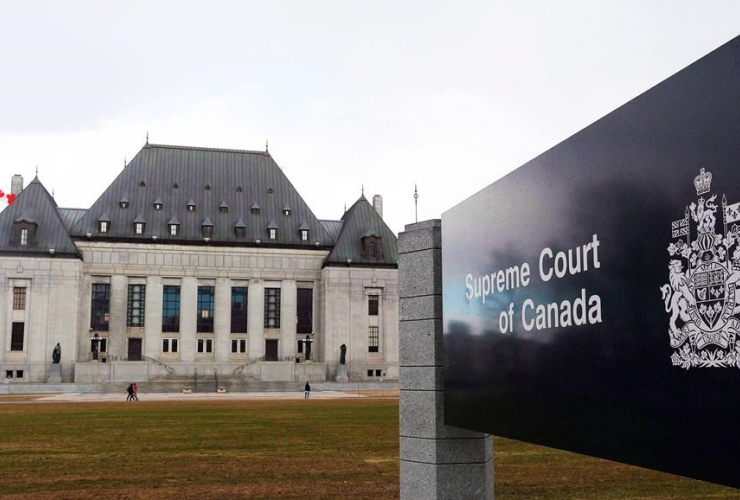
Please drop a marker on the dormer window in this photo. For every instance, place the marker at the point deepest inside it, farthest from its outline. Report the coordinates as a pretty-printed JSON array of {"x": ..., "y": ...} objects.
[
  {"x": 24, "y": 232},
  {"x": 223, "y": 208},
  {"x": 123, "y": 203},
  {"x": 240, "y": 229},
  {"x": 191, "y": 206},
  {"x": 304, "y": 232},
  {"x": 255, "y": 209},
  {"x": 207, "y": 228},
  {"x": 139, "y": 225},
  {"x": 372, "y": 244},
  {"x": 287, "y": 211},
  {"x": 158, "y": 204},
  {"x": 272, "y": 230},
  {"x": 173, "y": 226},
  {"x": 104, "y": 224},
  {"x": 239, "y": 189}
]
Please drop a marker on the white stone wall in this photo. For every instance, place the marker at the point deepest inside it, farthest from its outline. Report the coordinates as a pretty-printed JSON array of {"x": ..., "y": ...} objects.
[
  {"x": 59, "y": 297},
  {"x": 51, "y": 314},
  {"x": 190, "y": 267},
  {"x": 344, "y": 292}
]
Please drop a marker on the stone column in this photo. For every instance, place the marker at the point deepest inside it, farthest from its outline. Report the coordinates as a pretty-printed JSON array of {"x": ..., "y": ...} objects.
[
  {"x": 288, "y": 318},
  {"x": 437, "y": 461},
  {"x": 222, "y": 322},
  {"x": 83, "y": 318},
  {"x": 117, "y": 342},
  {"x": 188, "y": 313},
  {"x": 255, "y": 319},
  {"x": 153, "y": 318}
]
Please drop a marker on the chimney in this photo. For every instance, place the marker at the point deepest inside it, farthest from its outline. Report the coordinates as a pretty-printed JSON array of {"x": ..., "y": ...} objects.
[
  {"x": 378, "y": 204},
  {"x": 16, "y": 185}
]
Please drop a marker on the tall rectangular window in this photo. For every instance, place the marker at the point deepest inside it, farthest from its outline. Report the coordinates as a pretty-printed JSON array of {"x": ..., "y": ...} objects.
[
  {"x": 373, "y": 339},
  {"x": 239, "y": 309},
  {"x": 205, "y": 309},
  {"x": 19, "y": 298},
  {"x": 100, "y": 316},
  {"x": 136, "y": 301},
  {"x": 24, "y": 236},
  {"x": 272, "y": 308},
  {"x": 16, "y": 337},
  {"x": 171, "y": 308},
  {"x": 372, "y": 305},
  {"x": 305, "y": 310}
]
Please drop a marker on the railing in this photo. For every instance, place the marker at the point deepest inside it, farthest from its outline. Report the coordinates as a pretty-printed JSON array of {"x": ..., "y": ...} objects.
[
  {"x": 239, "y": 369},
  {"x": 169, "y": 369}
]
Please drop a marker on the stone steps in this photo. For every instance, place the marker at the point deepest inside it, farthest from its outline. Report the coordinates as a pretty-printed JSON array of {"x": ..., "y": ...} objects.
[{"x": 176, "y": 385}]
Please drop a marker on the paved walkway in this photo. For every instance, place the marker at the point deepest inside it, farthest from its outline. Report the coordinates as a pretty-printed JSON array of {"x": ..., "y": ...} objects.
[{"x": 75, "y": 397}]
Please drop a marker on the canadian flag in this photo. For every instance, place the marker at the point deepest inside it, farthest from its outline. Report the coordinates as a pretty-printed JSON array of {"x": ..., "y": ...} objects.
[{"x": 9, "y": 198}]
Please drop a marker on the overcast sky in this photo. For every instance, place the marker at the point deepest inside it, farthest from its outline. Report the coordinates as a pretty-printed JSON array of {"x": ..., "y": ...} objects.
[{"x": 449, "y": 95}]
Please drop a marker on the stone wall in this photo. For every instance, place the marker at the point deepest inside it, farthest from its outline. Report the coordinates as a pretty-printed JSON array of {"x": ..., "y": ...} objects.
[
  {"x": 50, "y": 314},
  {"x": 345, "y": 294},
  {"x": 59, "y": 309}
]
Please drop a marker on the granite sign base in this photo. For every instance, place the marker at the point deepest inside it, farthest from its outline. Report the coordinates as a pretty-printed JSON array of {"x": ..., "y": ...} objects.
[{"x": 437, "y": 461}]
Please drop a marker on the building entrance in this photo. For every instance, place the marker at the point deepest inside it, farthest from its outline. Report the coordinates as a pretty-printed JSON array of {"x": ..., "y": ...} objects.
[
  {"x": 271, "y": 350},
  {"x": 134, "y": 349}
]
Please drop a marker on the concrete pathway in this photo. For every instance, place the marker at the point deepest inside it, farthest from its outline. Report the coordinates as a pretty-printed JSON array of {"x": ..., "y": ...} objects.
[{"x": 74, "y": 397}]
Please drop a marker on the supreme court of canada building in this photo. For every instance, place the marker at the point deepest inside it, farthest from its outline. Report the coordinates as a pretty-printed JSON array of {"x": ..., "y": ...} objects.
[{"x": 196, "y": 260}]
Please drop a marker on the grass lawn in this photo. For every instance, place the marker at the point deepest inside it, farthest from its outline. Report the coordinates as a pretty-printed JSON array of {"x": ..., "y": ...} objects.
[{"x": 269, "y": 449}]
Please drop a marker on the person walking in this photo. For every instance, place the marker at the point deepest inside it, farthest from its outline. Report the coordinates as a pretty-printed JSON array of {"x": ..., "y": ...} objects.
[
  {"x": 308, "y": 391},
  {"x": 136, "y": 393},
  {"x": 130, "y": 391}
]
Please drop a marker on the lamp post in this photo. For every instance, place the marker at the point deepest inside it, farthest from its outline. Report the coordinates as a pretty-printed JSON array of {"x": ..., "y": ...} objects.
[
  {"x": 308, "y": 347},
  {"x": 95, "y": 344}
]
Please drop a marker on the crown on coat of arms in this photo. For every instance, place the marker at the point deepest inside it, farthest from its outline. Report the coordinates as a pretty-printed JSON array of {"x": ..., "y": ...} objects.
[{"x": 703, "y": 182}]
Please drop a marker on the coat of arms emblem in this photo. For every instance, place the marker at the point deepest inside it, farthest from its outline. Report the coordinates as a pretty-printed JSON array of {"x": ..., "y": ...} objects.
[{"x": 705, "y": 314}]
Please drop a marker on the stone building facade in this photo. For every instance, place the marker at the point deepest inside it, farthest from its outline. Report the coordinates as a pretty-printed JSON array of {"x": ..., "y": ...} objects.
[{"x": 196, "y": 260}]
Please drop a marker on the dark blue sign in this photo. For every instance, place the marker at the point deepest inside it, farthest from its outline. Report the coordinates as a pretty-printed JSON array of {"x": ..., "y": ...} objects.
[{"x": 591, "y": 296}]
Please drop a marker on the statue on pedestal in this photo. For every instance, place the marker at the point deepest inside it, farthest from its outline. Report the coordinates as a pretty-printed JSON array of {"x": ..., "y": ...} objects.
[
  {"x": 56, "y": 355},
  {"x": 342, "y": 354}
]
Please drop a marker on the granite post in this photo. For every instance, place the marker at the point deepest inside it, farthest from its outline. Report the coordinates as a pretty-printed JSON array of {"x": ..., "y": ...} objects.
[{"x": 437, "y": 461}]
